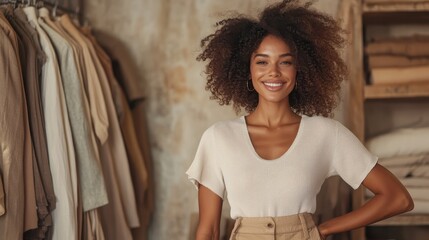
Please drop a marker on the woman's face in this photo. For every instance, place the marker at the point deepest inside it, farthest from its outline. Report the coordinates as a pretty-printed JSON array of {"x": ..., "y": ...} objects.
[{"x": 272, "y": 69}]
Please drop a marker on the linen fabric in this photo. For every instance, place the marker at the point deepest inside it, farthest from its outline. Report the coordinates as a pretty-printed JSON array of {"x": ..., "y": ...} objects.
[
  {"x": 410, "y": 171},
  {"x": 226, "y": 161},
  {"x": 59, "y": 137},
  {"x": 295, "y": 227},
  {"x": 400, "y": 142},
  {"x": 127, "y": 75},
  {"x": 92, "y": 185},
  {"x": 405, "y": 160},
  {"x": 12, "y": 134},
  {"x": 380, "y": 61},
  {"x": 413, "y": 46},
  {"x": 30, "y": 210},
  {"x": 115, "y": 143},
  {"x": 415, "y": 182}
]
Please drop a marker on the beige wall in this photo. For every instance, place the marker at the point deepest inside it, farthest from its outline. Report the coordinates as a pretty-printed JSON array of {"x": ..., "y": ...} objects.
[{"x": 163, "y": 37}]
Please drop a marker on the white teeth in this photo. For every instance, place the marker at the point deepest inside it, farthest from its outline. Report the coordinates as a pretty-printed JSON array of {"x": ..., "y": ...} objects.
[{"x": 273, "y": 84}]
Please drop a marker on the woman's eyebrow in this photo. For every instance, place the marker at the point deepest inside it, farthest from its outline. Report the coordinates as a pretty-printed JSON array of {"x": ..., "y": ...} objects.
[{"x": 266, "y": 55}]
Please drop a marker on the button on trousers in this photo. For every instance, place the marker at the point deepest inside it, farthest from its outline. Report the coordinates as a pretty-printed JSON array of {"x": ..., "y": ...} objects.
[{"x": 295, "y": 227}]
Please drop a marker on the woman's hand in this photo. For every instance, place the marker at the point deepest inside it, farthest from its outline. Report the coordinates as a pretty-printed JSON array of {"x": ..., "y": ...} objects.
[
  {"x": 323, "y": 237},
  {"x": 391, "y": 198}
]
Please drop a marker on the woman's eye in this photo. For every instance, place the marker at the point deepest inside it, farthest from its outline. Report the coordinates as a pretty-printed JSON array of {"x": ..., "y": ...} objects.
[
  {"x": 261, "y": 62},
  {"x": 287, "y": 63}
]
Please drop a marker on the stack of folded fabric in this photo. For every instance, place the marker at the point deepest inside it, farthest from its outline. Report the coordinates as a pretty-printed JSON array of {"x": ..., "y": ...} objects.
[
  {"x": 405, "y": 152},
  {"x": 399, "y": 60}
]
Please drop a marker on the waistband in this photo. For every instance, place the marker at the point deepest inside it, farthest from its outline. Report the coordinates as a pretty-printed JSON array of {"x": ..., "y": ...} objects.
[{"x": 275, "y": 225}]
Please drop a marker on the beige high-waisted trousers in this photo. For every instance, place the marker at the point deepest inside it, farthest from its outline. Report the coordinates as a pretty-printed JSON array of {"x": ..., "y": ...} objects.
[{"x": 295, "y": 227}]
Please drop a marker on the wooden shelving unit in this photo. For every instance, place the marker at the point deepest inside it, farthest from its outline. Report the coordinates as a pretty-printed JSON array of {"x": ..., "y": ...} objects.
[
  {"x": 391, "y": 13},
  {"x": 397, "y": 91}
]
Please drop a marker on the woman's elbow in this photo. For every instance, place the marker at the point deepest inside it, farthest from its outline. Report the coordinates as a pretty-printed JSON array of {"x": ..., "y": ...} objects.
[{"x": 405, "y": 202}]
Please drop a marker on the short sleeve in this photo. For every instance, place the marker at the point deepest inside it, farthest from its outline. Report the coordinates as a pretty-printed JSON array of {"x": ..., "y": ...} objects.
[
  {"x": 205, "y": 169},
  {"x": 351, "y": 160}
]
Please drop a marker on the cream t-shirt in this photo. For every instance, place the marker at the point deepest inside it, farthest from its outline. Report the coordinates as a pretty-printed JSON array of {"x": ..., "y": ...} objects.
[{"x": 227, "y": 162}]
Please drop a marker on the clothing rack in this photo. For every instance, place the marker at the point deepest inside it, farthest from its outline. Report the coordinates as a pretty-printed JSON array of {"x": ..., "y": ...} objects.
[{"x": 65, "y": 6}]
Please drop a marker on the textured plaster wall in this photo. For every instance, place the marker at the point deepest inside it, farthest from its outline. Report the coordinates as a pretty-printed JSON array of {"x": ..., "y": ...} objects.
[{"x": 163, "y": 38}]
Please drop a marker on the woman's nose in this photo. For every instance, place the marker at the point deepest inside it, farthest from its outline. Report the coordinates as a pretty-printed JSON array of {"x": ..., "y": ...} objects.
[{"x": 274, "y": 71}]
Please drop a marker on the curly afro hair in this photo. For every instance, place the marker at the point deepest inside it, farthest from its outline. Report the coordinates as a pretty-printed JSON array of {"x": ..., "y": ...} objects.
[{"x": 315, "y": 38}]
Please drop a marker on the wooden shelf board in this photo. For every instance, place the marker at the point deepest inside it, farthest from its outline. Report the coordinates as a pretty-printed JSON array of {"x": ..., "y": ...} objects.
[
  {"x": 397, "y": 91},
  {"x": 399, "y": 17},
  {"x": 395, "y": 6},
  {"x": 404, "y": 220}
]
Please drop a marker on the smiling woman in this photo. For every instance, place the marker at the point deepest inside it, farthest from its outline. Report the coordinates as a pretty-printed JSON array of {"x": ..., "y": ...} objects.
[
  {"x": 285, "y": 70},
  {"x": 273, "y": 70}
]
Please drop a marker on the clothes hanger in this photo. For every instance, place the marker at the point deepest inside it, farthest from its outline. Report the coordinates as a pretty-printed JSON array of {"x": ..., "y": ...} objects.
[{"x": 54, "y": 10}]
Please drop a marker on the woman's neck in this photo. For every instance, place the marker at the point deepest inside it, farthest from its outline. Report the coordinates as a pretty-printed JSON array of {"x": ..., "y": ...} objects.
[{"x": 272, "y": 114}]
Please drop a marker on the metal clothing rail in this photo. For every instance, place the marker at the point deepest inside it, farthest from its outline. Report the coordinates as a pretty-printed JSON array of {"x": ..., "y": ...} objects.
[{"x": 66, "y": 6}]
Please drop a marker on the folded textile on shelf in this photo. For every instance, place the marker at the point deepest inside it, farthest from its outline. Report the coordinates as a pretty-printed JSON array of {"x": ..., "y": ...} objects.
[
  {"x": 383, "y": 61},
  {"x": 417, "y": 194},
  {"x": 413, "y": 46},
  {"x": 415, "y": 182},
  {"x": 420, "y": 207},
  {"x": 400, "y": 142},
  {"x": 410, "y": 171},
  {"x": 404, "y": 160},
  {"x": 392, "y": 75}
]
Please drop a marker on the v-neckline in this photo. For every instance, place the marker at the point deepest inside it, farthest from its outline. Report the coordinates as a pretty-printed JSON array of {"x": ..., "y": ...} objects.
[{"x": 285, "y": 153}]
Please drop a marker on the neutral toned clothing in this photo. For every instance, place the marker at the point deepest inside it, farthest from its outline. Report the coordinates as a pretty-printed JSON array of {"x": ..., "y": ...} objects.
[
  {"x": 395, "y": 75},
  {"x": 2, "y": 206},
  {"x": 12, "y": 134},
  {"x": 30, "y": 213},
  {"x": 93, "y": 87},
  {"x": 136, "y": 161},
  {"x": 83, "y": 217},
  {"x": 415, "y": 182},
  {"x": 420, "y": 207},
  {"x": 66, "y": 221},
  {"x": 410, "y": 171},
  {"x": 400, "y": 142},
  {"x": 127, "y": 67},
  {"x": 93, "y": 191},
  {"x": 142, "y": 132},
  {"x": 226, "y": 161},
  {"x": 92, "y": 229},
  {"x": 60, "y": 142},
  {"x": 45, "y": 196},
  {"x": 127, "y": 75},
  {"x": 115, "y": 144},
  {"x": 413, "y": 46},
  {"x": 294, "y": 227},
  {"x": 405, "y": 160},
  {"x": 135, "y": 156},
  {"x": 380, "y": 61}
]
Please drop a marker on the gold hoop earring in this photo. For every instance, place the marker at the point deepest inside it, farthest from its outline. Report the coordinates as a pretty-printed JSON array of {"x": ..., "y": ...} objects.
[{"x": 248, "y": 88}]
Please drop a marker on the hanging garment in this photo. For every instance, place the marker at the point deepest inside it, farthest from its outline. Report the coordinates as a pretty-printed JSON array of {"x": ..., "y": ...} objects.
[
  {"x": 115, "y": 142},
  {"x": 137, "y": 167},
  {"x": 83, "y": 217},
  {"x": 2, "y": 206},
  {"x": 80, "y": 128},
  {"x": 91, "y": 179},
  {"x": 12, "y": 134},
  {"x": 127, "y": 76},
  {"x": 45, "y": 197},
  {"x": 59, "y": 137},
  {"x": 30, "y": 212}
]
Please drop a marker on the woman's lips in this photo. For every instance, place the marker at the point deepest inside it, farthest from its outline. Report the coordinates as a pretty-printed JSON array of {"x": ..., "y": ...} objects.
[{"x": 273, "y": 86}]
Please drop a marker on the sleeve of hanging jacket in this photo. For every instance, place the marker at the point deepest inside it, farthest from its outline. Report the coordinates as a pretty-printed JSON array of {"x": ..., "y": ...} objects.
[{"x": 11, "y": 137}]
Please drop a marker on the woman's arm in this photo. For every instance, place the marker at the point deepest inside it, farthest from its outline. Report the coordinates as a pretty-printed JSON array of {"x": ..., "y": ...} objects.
[
  {"x": 391, "y": 198},
  {"x": 210, "y": 208}
]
